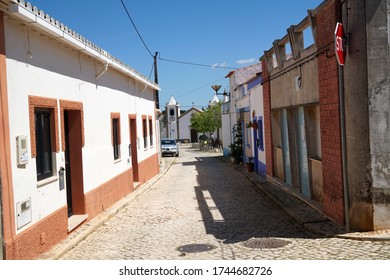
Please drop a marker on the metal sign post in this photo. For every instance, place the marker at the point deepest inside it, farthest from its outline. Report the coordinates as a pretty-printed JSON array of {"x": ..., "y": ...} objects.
[{"x": 340, "y": 55}]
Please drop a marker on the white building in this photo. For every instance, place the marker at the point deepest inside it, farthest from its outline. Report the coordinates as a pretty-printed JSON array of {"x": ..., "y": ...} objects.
[
  {"x": 245, "y": 105},
  {"x": 179, "y": 126},
  {"x": 186, "y": 132},
  {"x": 77, "y": 130}
]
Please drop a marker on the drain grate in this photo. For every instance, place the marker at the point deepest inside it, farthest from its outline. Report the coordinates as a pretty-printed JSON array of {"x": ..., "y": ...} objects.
[
  {"x": 196, "y": 248},
  {"x": 265, "y": 243}
]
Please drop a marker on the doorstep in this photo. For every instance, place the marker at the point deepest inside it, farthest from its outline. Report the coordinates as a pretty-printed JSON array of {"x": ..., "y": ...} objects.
[{"x": 76, "y": 220}]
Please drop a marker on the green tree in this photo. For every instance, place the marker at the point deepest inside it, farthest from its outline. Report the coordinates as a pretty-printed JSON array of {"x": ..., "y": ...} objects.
[
  {"x": 215, "y": 116},
  {"x": 208, "y": 120},
  {"x": 196, "y": 122}
]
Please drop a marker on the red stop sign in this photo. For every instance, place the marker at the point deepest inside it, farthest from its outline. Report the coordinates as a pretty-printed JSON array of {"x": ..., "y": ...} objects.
[{"x": 339, "y": 43}]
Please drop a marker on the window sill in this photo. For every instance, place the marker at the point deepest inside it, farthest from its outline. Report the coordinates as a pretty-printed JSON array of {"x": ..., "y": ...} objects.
[
  {"x": 47, "y": 181},
  {"x": 117, "y": 160}
]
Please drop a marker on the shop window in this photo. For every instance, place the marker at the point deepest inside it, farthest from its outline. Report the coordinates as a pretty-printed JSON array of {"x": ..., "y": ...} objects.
[
  {"x": 276, "y": 127},
  {"x": 313, "y": 131}
]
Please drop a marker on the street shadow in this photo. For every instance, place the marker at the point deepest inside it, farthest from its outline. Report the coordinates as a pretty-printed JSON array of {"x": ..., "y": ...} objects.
[{"x": 232, "y": 210}]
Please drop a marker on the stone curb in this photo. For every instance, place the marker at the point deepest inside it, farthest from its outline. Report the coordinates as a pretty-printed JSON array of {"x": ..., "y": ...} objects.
[
  {"x": 313, "y": 226},
  {"x": 293, "y": 215}
]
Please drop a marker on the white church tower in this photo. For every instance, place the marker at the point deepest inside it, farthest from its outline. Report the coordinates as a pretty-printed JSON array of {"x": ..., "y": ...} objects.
[
  {"x": 215, "y": 101},
  {"x": 172, "y": 109}
]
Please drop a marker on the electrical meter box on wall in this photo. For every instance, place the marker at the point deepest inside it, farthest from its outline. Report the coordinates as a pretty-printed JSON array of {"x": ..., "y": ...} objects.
[
  {"x": 23, "y": 211},
  {"x": 22, "y": 151}
]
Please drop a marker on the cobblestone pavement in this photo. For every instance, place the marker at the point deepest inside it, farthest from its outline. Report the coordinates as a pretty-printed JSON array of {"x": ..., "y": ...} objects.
[{"x": 205, "y": 209}]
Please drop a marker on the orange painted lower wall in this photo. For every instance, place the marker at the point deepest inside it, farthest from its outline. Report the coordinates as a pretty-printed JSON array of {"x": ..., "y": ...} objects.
[
  {"x": 39, "y": 238},
  {"x": 48, "y": 232},
  {"x": 148, "y": 168},
  {"x": 118, "y": 187},
  {"x": 107, "y": 194}
]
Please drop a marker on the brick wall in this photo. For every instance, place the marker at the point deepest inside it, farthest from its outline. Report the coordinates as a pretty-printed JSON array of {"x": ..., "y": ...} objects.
[
  {"x": 333, "y": 202},
  {"x": 267, "y": 120}
]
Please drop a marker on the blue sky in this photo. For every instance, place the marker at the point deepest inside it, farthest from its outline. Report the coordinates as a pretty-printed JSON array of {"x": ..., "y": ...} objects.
[{"x": 212, "y": 32}]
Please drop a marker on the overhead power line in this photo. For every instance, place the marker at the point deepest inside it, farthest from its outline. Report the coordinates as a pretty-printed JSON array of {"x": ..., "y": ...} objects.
[
  {"x": 136, "y": 29},
  {"x": 169, "y": 60},
  {"x": 201, "y": 87},
  {"x": 196, "y": 64},
  {"x": 163, "y": 59}
]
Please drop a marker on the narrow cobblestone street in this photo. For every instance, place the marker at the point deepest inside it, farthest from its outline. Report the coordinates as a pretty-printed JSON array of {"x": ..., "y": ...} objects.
[{"x": 207, "y": 205}]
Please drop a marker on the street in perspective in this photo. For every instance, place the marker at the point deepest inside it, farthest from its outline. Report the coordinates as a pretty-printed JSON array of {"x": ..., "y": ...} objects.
[{"x": 205, "y": 208}]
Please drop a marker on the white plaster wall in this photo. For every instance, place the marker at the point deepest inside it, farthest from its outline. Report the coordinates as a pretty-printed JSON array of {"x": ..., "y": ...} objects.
[
  {"x": 56, "y": 71},
  {"x": 229, "y": 119},
  {"x": 184, "y": 126},
  {"x": 163, "y": 131},
  {"x": 227, "y": 124},
  {"x": 172, "y": 130},
  {"x": 243, "y": 102},
  {"x": 256, "y": 101}
]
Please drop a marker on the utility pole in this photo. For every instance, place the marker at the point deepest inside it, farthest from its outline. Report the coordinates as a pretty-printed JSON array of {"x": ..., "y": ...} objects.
[{"x": 156, "y": 79}]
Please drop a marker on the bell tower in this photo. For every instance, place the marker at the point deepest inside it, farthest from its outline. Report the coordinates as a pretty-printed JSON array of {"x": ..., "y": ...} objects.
[{"x": 172, "y": 110}]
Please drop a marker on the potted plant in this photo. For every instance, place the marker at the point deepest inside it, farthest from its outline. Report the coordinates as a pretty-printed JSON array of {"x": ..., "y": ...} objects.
[
  {"x": 254, "y": 125},
  {"x": 251, "y": 124},
  {"x": 249, "y": 165},
  {"x": 236, "y": 152}
]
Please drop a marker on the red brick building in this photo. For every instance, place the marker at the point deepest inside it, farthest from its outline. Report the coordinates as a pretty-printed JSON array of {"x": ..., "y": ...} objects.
[{"x": 302, "y": 82}]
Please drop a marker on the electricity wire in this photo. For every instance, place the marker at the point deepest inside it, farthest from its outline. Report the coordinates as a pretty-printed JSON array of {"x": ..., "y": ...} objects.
[
  {"x": 206, "y": 85},
  {"x": 136, "y": 29},
  {"x": 151, "y": 71},
  {"x": 196, "y": 64},
  {"x": 164, "y": 59},
  {"x": 171, "y": 60}
]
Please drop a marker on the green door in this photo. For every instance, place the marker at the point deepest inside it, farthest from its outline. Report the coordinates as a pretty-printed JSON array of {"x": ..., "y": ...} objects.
[
  {"x": 302, "y": 150},
  {"x": 286, "y": 148}
]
